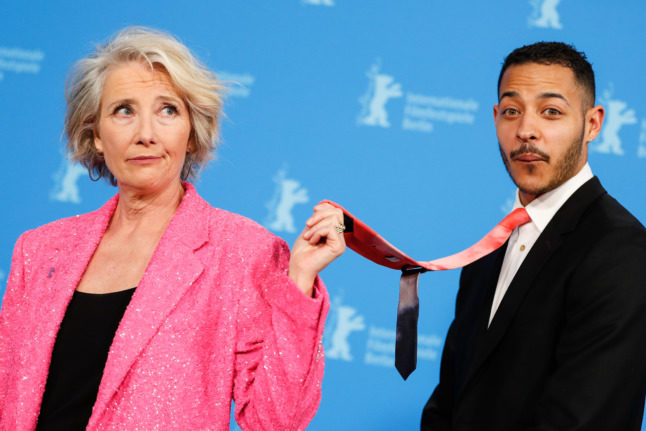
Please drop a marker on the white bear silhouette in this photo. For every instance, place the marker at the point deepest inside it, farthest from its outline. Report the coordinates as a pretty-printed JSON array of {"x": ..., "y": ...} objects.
[
  {"x": 346, "y": 323},
  {"x": 65, "y": 187},
  {"x": 545, "y": 14},
  {"x": 617, "y": 117}
]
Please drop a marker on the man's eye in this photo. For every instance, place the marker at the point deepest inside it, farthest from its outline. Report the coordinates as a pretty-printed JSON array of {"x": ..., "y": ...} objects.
[
  {"x": 510, "y": 111},
  {"x": 552, "y": 111}
]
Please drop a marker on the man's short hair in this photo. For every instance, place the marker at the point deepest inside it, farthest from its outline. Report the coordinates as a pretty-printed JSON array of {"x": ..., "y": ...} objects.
[{"x": 555, "y": 53}]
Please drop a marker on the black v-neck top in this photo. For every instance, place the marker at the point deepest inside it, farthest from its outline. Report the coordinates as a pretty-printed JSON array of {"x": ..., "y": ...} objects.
[{"x": 79, "y": 357}]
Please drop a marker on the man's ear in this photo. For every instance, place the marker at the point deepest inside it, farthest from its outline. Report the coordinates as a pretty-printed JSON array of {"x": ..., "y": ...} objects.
[{"x": 593, "y": 122}]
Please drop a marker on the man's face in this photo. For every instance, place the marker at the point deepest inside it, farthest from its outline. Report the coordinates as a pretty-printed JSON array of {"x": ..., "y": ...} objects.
[{"x": 543, "y": 126}]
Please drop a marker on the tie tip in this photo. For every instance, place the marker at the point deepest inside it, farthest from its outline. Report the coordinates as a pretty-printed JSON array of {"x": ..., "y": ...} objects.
[{"x": 405, "y": 373}]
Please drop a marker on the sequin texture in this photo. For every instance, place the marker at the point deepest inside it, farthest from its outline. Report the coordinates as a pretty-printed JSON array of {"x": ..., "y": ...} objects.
[{"x": 214, "y": 318}]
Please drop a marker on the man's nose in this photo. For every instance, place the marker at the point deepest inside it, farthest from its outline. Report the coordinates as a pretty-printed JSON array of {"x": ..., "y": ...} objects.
[{"x": 528, "y": 128}]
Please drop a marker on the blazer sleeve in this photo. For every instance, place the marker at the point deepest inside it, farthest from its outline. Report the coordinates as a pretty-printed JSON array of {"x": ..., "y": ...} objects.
[
  {"x": 279, "y": 356},
  {"x": 599, "y": 377},
  {"x": 10, "y": 301}
]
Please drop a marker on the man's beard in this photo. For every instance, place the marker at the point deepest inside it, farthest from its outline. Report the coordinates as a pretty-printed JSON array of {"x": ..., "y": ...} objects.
[{"x": 566, "y": 167}]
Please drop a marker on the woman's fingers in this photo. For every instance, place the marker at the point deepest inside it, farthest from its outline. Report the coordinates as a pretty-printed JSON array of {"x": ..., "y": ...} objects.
[
  {"x": 321, "y": 211},
  {"x": 319, "y": 244},
  {"x": 322, "y": 223}
]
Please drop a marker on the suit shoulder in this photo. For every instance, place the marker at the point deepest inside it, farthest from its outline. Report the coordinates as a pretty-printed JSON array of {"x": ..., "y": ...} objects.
[
  {"x": 608, "y": 216},
  {"x": 609, "y": 235}
]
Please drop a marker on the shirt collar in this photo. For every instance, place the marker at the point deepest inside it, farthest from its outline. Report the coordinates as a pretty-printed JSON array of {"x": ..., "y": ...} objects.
[{"x": 543, "y": 208}]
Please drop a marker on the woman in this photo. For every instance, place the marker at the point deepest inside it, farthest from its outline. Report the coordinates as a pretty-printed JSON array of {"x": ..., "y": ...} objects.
[{"x": 220, "y": 310}]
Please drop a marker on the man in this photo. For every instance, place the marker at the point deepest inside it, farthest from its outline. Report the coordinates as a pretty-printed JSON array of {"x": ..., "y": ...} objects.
[{"x": 550, "y": 330}]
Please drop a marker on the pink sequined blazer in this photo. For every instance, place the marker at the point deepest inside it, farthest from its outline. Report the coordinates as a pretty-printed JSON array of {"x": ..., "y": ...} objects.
[{"x": 214, "y": 318}]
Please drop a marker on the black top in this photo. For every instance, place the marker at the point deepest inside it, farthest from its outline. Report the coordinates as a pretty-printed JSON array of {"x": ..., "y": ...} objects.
[{"x": 78, "y": 359}]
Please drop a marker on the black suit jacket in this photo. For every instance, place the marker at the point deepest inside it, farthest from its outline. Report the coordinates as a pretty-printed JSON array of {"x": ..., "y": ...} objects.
[{"x": 566, "y": 349}]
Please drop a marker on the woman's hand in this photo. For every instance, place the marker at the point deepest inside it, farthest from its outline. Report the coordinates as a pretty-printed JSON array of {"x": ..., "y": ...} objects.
[{"x": 317, "y": 245}]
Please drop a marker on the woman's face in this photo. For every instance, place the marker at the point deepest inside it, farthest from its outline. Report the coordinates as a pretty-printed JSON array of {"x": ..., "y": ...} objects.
[{"x": 144, "y": 127}]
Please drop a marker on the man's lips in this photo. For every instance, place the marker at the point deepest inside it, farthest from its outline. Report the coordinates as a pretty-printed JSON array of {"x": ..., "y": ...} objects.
[
  {"x": 529, "y": 158},
  {"x": 529, "y": 153}
]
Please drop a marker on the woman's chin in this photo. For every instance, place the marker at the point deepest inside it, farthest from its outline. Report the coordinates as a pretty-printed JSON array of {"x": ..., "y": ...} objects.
[{"x": 147, "y": 184}]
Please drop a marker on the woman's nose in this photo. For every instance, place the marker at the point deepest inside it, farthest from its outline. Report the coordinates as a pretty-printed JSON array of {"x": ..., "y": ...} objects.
[{"x": 146, "y": 132}]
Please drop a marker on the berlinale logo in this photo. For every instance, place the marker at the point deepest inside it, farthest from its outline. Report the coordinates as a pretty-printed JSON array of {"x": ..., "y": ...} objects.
[
  {"x": 381, "y": 89},
  {"x": 641, "y": 150},
  {"x": 343, "y": 321},
  {"x": 617, "y": 116},
  {"x": 18, "y": 60},
  {"x": 237, "y": 84},
  {"x": 319, "y": 2},
  {"x": 545, "y": 14},
  {"x": 287, "y": 194},
  {"x": 420, "y": 110},
  {"x": 65, "y": 187}
]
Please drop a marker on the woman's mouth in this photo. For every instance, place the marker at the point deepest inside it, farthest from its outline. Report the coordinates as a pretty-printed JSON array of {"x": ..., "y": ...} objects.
[{"x": 144, "y": 159}]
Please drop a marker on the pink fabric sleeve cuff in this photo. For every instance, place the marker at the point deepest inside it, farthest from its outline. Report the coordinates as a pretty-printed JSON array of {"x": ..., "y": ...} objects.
[{"x": 294, "y": 303}]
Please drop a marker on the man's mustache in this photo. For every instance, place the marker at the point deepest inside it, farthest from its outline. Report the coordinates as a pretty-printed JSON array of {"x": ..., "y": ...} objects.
[{"x": 527, "y": 148}]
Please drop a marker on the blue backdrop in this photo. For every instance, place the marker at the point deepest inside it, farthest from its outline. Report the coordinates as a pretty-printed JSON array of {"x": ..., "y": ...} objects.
[{"x": 382, "y": 106}]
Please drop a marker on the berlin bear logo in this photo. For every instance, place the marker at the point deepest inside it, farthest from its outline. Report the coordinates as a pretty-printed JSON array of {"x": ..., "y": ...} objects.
[
  {"x": 343, "y": 321},
  {"x": 617, "y": 116},
  {"x": 287, "y": 194},
  {"x": 545, "y": 14},
  {"x": 65, "y": 182},
  {"x": 381, "y": 89}
]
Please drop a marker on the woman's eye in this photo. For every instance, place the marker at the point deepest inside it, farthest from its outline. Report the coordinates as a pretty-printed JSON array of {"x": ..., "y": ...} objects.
[
  {"x": 169, "y": 110},
  {"x": 123, "y": 110}
]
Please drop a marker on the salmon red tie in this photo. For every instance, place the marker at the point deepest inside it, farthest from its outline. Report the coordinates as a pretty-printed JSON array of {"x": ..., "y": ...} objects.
[{"x": 369, "y": 244}]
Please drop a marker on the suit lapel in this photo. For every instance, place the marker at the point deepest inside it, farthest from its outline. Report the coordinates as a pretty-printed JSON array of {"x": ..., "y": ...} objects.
[
  {"x": 172, "y": 270},
  {"x": 520, "y": 285},
  {"x": 563, "y": 222},
  {"x": 479, "y": 306}
]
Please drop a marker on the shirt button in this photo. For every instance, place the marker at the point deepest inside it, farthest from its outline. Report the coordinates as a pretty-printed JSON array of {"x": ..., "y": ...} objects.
[{"x": 522, "y": 247}]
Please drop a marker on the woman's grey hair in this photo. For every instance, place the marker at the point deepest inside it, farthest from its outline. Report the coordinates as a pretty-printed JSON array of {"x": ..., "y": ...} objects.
[{"x": 201, "y": 90}]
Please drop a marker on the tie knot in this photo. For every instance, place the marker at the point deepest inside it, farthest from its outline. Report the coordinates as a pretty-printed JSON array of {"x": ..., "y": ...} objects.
[{"x": 516, "y": 218}]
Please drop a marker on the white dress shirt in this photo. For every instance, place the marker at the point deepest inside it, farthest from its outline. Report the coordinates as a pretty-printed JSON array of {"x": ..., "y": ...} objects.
[{"x": 541, "y": 210}]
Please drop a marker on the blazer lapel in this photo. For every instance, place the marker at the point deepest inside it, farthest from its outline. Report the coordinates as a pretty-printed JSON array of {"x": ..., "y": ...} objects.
[
  {"x": 563, "y": 222},
  {"x": 65, "y": 255},
  {"x": 171, "y": 271}
]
